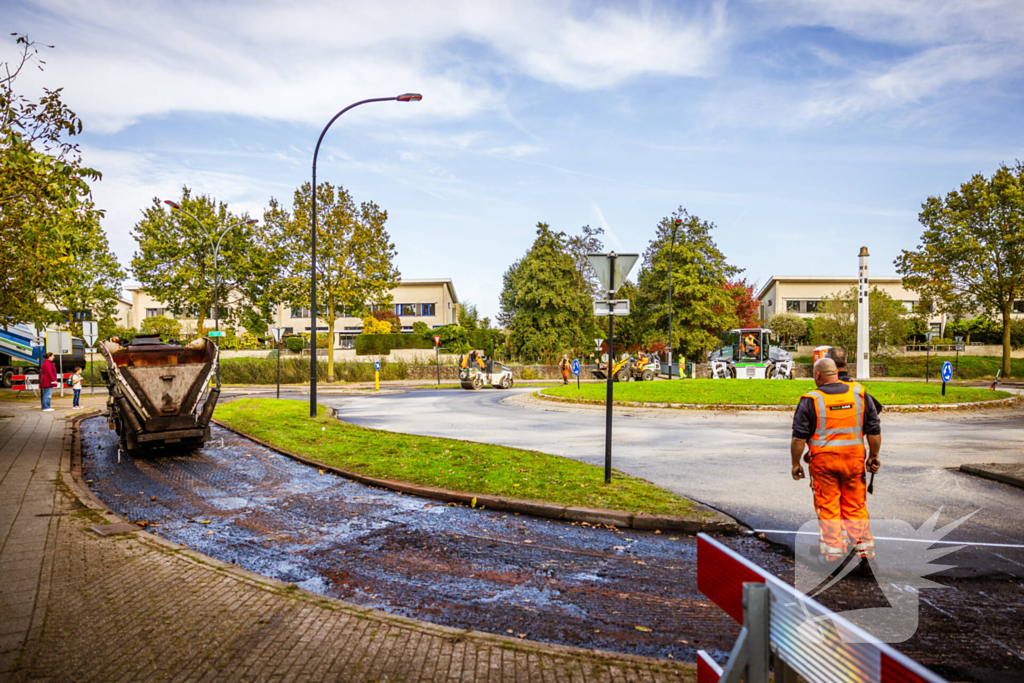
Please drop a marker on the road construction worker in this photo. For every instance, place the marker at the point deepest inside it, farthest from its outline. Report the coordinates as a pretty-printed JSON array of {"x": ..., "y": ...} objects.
[
  {"x": 565, "y": 364},
  {"x": 838, "y": 355},
  {"x": 832, "y": 422},
  {"x": 750, "y": 345}
]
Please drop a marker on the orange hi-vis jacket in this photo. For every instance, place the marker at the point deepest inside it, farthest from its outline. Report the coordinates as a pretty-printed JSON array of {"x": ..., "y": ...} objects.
[{"x": 837, "y": 473}]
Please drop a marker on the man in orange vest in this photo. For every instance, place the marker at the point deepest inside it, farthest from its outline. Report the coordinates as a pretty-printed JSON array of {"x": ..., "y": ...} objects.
[{"x": 832, "y": 422}]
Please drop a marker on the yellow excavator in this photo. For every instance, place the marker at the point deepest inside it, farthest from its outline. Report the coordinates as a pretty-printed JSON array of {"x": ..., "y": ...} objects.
[{"x": 644, "y": 368}]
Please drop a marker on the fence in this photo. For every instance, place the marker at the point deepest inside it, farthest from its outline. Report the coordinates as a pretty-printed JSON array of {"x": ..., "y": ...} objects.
[{"x": 782, "y": 624}]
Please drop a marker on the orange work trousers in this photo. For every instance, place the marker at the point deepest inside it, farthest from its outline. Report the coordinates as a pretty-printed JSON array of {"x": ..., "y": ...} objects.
[{"x": 840, "y": 499}]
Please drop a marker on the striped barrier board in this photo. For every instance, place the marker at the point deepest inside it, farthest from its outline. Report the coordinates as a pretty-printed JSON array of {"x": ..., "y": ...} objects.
[
  {"x": 31, "y": 382},
  {"x": 804, "y": 637}
]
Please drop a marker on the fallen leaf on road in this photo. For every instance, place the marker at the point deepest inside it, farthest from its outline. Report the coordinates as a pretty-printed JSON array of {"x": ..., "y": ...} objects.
[
  {"x": 472, "y": 503},
  {"x": 208, "y": 533},
  {"x": 152, "y": 497},
  {"x": 642, "y": 628},
  {"x": 620, "y": 547},
  {"x": 205, "y": 521}
]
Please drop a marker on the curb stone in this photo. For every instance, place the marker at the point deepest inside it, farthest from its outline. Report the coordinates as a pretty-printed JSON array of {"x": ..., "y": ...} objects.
[
  {"x": 993, "y": 472},
  {"x": 70, "y": 467},
  {"x": 716, "y": 523}
]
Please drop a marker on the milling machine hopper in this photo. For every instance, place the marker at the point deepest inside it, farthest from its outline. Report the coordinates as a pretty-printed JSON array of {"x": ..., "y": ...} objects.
[{"x": 157, "y": 392}]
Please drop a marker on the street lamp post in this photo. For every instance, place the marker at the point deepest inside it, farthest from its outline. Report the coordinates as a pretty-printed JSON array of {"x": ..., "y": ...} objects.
[
  {"x": 675, "y": 225},
  {"x": 216, "y": 250},
  {"x": 407, "y": 97}
]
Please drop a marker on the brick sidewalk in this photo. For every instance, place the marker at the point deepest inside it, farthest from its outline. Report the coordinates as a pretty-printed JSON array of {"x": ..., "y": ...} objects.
[{"x": 135, "y": 607}]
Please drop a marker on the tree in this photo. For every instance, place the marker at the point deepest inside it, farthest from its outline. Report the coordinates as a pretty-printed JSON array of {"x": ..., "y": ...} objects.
[
  {"x": 746, "y": 304},
  {"x": 581, "y": 245},
  {"x": 788, "y": 327},
  {"x": 972, "y": 249},
  {"x": 175, "y": 262},
  {"x": 509, "y": 294},
  {"x": 169, "y": 329},
  {"x": 836, "y": 325},
  {"x": 469, "y": 317},
  {"x": 44, "y": 188},
  {"x": 88, "y": 281},
  {"x": 355, "y": 255},
  {"x": 702, "y": 306},
  {"x": 553, "y": 309}
]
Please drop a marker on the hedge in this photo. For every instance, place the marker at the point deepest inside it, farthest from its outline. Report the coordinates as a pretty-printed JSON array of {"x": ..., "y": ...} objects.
[
  {"x": 381, "y": 344},
  {"x": 296, "y": 371}
]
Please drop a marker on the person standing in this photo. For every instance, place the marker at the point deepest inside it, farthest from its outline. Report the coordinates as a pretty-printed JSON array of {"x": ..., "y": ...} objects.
[
  {"x": 833, "y": 422},
  {"x": 838, "y": 356},
  {"x": 564, "y": 365},
  {"x": 76, "y": 385},
  {"x": 47, "y": 381}
]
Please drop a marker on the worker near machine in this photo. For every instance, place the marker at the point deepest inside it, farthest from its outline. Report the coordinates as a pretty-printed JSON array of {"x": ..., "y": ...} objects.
[
  {"x": 750, "y": 345},
  {"x": 832, "y": 422},
  {"x": 47, "y": 381},
  {"x": 564, "y": 365},
  {"x": 838, "y": 356}
]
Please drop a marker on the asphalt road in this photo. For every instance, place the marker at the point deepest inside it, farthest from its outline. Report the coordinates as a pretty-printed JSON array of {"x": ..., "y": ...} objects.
[{"x": 739, "y": 462}]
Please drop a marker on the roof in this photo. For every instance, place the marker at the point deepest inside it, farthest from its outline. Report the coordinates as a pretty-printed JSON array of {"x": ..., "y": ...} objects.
[{"x": 824, "y": 278}]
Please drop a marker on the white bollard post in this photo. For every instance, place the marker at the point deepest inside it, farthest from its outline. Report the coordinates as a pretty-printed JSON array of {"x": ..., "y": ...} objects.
[{"x": 863, "y": 318}]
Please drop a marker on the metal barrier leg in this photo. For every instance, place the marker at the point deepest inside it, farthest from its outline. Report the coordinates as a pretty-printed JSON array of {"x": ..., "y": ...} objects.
[
  {"x": 784, "y": 673},
  {"x": 750, "y": 654}
]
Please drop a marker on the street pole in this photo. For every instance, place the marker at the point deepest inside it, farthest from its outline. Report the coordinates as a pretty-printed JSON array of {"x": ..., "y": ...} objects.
[
  {"x": 675, "y": 224},
  {"x": 863, "y": 317},
  {"x": 279, "y": 368},
  {"x": 611, "y": 363},
  {"x": 407, "y": 97},
  {"x": 437, "y": 360},
  {"x": 92, "y": 385}
]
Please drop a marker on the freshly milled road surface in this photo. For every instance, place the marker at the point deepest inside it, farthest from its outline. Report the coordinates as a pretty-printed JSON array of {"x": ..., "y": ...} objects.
[{"x": 738, "y": 462}]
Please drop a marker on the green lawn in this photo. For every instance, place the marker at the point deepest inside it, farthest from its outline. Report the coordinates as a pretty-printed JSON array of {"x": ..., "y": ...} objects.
[
  {"x": 766, "y": 392},
  {"x": 445, "y": 463}
]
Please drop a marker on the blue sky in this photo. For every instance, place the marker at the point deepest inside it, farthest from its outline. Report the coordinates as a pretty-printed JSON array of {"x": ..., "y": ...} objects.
[{"x": 803, "y": 129}]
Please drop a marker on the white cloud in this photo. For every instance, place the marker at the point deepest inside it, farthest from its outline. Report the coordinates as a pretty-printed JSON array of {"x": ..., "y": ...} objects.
[{"x": 124, "y": 61}]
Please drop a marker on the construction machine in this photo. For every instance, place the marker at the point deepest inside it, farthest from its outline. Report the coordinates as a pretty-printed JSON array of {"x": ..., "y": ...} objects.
[
  {"x": 747, "y": 353},
  {"x": 642, "y": 368},
  {"x": 476, "y": 370}
]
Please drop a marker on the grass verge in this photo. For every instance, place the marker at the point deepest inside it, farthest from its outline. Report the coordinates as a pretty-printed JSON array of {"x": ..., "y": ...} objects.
[
  {"x": 446, "y": 463},
  {"x": 767, "y": 392}
]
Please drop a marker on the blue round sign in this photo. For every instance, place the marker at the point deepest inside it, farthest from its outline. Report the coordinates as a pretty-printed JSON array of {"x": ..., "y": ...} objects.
[
  {"x": 376, "y": 365},
  {"x": 947, "y": 371},
  {"x": 576, "y": 367}
]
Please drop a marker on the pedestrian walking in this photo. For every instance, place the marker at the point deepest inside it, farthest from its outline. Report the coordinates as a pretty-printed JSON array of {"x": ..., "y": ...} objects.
[
  {"x": 565, "y": 364},
  {"x": 832, "y": 422},
  {"x": 47, "y": 381},
  {"x": 76, "y": 385}
]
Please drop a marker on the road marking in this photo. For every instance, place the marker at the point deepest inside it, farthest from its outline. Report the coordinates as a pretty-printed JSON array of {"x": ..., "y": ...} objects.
[{"x": 891, "y": 538}]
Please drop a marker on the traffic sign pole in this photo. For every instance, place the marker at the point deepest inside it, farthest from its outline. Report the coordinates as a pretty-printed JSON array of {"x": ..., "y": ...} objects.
[
  {"x": 89, "y": 337},
  {"x": 437, "y": 356},
  {"x": 947, "y": 375},
  {"x": 376, "y": 374}
]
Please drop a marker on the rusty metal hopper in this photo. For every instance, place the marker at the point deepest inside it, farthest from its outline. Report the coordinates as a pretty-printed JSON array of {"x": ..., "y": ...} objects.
[{"x": 156, "y": 390}]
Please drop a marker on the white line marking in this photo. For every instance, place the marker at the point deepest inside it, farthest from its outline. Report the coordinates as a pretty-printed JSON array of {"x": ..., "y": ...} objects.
[{"x": 890, "y": 538}]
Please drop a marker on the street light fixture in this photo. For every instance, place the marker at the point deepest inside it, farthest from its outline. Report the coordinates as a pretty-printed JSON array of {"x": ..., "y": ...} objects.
[
  {"x": 407, "y": 97},
  {"x": 216, "y": 250}
]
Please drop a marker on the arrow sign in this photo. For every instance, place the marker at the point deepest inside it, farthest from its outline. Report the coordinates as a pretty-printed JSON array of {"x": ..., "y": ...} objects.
[
  {"x": 576, "y": 367},
  {"x": 376, "y": 365},
  {"x": 437, "y": 340},
  {"x": 947, "y": 371}
]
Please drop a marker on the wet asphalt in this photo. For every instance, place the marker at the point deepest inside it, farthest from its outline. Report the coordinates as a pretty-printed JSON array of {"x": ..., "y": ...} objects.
[{"x": 626, "y": 591}]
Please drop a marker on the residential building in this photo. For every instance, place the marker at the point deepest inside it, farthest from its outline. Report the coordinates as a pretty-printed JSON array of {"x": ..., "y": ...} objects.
[
  {"x": 803, "y": 295},
  {"x": 430, "y": 301},
  {"x": 122, "y": 313}
]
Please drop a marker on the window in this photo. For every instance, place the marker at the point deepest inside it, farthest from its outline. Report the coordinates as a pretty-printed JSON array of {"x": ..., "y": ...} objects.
[
  {"x": 288, "y": 331},
  {"x": 346, "y": 341},
  {"x": 908, "y": 306},
  {"x": 222, "y": 310},
  {"x": 405, "y": 309},
  {"x": 1018, "y": 306},
  {"x": 300, "y": 312},
  {"x": 792, "y": 306},
  {"x": 812, "y": 306},
  {"x": 154, "y": 312},
  {"x": 429, "y": 309}
]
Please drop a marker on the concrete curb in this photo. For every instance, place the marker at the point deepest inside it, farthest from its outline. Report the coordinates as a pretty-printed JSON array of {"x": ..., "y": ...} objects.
[
  {"x": 78, "y": 489},
  {"x": 988, "y": 472},
  {"x": 914, "y": 408},
  {"x": 717, "y": 523}
]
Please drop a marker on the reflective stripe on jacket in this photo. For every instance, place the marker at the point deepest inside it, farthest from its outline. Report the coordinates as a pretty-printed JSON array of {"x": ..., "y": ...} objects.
[{"x": 839, "y": 427}]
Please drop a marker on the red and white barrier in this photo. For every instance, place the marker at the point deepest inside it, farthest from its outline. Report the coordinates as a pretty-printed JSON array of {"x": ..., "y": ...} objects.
[
  {"x": 31, "y": 382},
  {"x": 775, "y": 616}
]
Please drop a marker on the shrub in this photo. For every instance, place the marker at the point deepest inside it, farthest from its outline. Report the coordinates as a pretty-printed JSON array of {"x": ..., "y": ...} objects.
[
  {"x": 296, "y": 371},
  {"x": 373, "y": 326},
  {"x": 422, "y": 329},
  {"x": 295, "y": 344},
  {"x": 381, "y": 344},
  {"x": 169, "y": 329},
  {"x": 391, "y": 318}
]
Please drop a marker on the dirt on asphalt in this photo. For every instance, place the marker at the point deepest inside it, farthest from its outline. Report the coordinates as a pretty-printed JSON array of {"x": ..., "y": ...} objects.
[{"x": 569, "y": 583}]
